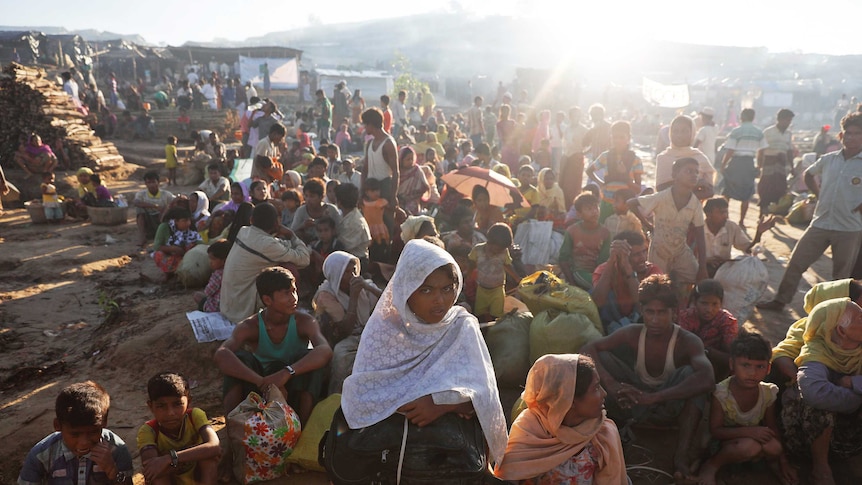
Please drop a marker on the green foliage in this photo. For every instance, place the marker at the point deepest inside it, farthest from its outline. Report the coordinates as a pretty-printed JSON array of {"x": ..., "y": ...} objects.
[
  {"x": 107, "y": 304},
  {"x": 405, "y": 79}
]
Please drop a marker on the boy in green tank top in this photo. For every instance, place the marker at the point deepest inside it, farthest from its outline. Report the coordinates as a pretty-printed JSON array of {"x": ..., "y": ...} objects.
[{"x": 271, "y": 347}]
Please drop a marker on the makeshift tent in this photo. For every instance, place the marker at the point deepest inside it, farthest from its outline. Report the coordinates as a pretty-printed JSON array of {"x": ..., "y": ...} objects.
[{"x": 283, "y": 73}]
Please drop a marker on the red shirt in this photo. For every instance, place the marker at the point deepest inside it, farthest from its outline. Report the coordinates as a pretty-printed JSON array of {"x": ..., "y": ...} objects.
[
  {"x": 387, "y": 120},
  {"x": 625, "y": 302},
  {"x": 717, "y": 333}
]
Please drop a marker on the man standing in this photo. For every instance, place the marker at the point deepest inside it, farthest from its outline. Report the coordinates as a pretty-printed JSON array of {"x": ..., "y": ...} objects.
[
  {"x": 775, "y": 161},
  {"x": 707, "y": 134},
  {"x": 324, "y": 120},
  {"x": 475, "y": 121},
  {"x": 340, "y": 101},
  {"x": 381, "y": 160},
  {"x": 399, "y": 113},
  {"x": 738, "y": 168},
  {"x": 572, "y": 164},
  {"x": 597, "y": 138},
  {"x": 265, "y": 151},
  {"x": 837, "y": 218}
]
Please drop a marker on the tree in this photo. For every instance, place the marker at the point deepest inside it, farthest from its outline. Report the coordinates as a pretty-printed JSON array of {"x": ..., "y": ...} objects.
[{"x": 405, "y": 79}]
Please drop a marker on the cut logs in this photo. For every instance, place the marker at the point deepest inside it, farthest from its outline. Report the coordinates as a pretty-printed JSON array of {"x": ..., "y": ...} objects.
[{"x": 31, "y": 103}]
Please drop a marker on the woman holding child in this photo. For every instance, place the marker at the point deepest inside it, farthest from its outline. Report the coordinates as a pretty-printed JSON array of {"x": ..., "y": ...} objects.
[{"x": 34, "y": 157}]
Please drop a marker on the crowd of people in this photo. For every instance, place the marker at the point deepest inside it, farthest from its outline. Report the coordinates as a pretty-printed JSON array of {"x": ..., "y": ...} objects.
[{"x": 398, "y": 269}]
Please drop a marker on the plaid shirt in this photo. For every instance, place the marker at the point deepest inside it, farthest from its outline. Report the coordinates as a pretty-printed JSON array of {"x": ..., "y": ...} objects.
[
  {"x": 51, "y": 462},
  {"x": 213, "y": 291}
]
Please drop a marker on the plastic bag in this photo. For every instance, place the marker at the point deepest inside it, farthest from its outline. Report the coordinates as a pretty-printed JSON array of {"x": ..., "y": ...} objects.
[
  {"x": 508, "y": 341},
  {"x": 553, "y": 332},
  {"x": 194, "y": 270},
  {"x": 534, "y": 238},
  {"x": 744, "y": 280},
  {"x": 306, "y": 451},
  {"x": 543, "y": 290},
  {"x": 262, "y": 433},
  {"x": 802, "y": 211}
]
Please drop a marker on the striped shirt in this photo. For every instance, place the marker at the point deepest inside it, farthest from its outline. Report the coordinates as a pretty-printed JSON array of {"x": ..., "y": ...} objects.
[{"x": 745, "y": 140}]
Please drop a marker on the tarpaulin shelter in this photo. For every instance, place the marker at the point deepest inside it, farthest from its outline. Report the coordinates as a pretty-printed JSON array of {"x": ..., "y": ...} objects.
[{"x": 26, "y": 47}]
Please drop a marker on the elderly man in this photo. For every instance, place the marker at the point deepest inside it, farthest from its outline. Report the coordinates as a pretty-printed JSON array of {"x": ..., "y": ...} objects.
[
  {"x": 820, "y": 411},
  {"x": 837, "y": 218}
]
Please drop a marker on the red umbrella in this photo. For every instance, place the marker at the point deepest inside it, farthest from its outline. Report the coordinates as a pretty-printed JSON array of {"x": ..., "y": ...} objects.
[{"x": 499, "y": 187}]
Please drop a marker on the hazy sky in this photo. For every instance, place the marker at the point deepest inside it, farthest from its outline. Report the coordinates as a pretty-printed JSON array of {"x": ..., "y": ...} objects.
[{"x": 781, "y": 26}]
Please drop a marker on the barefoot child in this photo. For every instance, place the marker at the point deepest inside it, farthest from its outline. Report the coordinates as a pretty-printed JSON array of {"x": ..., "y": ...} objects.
[
  {"x": 208, "y": 300},
  {"x": 586, "y": 243},
  {"x": 81, "y": 446},
  {"x": 178, "y": 446},
  {"x": 173, "y": 239},
  {"x": 715, "y": 326},
  {"x": 171, "y": 160},
  {"x": 493, "y": 262},
  {"x": 50, "y": 199},
  {"x": 743, "y": 416}
]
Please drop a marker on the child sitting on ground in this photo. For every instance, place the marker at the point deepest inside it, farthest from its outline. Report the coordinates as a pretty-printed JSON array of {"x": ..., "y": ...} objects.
[
  {"x": 353, "y": 231},
  {"x": 171, "y": 160},
  {"x": 493, "y": 261},
  {"x": 173, "y": 239},
  {"x": 326, "y": 243},
  {"x": 50, "y": 199},
  {"x": 743, "y": 417},
  {"x": 722, "y": 235},
  {"x": 586, "y": 244},
  {"x": 715, "y": 326},
  {"x": 81, "y": 446},
  {"x": 622, "y": 220},
  {"x": 208, "y": 300},
  {"x": 178, "y": 446},
  {"x": 292, "y": 199}
]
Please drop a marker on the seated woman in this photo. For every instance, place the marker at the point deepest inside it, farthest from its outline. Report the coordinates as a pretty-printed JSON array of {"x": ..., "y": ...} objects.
[
  {"x": 201, "y": 214},
  {"x": 423, "y": 356},
  {"x": 34, "y": 157},
  {"x": 217, "y": 226},
  {"x": 564, "y": 436},
  {"x": 101, "y": 195},
  {"x": 238, "y": 195},
  {"x": 173, "y": 239},
  {"x": 76, "y": 208},
  {"x": 342, "y": 305},
  {"x": 412, "y": 184},
  {"x": 259, "y": 192},
  {"x": 820, "y": 412}
]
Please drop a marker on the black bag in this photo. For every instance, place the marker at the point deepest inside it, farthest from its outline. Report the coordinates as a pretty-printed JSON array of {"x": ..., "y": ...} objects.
[{"x": 450, "y": 451}]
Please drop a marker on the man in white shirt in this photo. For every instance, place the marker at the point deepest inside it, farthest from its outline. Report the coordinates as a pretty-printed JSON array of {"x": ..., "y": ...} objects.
[
  {"x": 265, "y": 151},
  {"x": 707, "y": 134},
  {"x": 399, "y": 113},
  {"x": 721, "y": 235}
]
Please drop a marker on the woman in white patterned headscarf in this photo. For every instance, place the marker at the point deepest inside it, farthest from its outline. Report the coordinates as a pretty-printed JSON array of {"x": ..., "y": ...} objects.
[{"x": 423, "y": 356}]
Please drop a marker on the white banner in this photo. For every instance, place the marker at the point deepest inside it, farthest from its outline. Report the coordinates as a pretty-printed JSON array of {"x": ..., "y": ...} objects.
[
  {"x": 283, "y": 73},
  {"x": 666, "y": 95}
]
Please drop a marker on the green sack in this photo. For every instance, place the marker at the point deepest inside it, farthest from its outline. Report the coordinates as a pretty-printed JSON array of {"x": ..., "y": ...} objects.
[
  {"x": 543, "y": 290},
  {"x": 305, "y": 453},
  {"x": 508, "y": 341},
  {"x": 553, "y": 332}
]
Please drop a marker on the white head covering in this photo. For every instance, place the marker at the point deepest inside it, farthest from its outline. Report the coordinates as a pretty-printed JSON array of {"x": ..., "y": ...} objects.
[
  {"x": 333, "y": 269},
  {"x": 411, "y": 226},
  {"x": 201, "y": 212},
  {"x": 401, "y": 359},
  {"x": 295, "y": 178}
]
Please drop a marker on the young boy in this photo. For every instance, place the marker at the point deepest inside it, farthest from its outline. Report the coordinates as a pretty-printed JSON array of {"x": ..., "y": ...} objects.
[
  {"x": 721, "y": 234},
  {"x": 171, "y": 160},
  {"x": 278, "y": 338},
  {"x": 675, "y": 209},
  {"x": 353, "y": 231},
  {"x": 215, "y": 186},
  {"x": 742, "y": 415},
  {"x": 50, "y": 199},
  {"x": 621, "y": 167},
  {"x": 81, "y": 450},
  {"x": 622, "y": 219},
  {"x": 586, "y": 244},
  {"x": 208, "y": 300},
  {"x": 493, "y": 261},
  {"x": 178, "y": 446},
  {"x": 150, "y": 204}
]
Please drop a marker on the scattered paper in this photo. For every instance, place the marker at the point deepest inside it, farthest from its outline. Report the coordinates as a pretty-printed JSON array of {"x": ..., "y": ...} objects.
[{"x": 209, "y": 327}]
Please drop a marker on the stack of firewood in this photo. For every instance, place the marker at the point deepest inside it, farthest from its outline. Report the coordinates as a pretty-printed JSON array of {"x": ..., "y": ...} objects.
[{"x": 30, "y": 102}]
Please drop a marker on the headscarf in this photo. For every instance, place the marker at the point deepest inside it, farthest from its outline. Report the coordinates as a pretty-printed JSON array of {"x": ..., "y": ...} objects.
[
  {"x": 233, "y": 206},
  {"x": 411, "y": 226},
  {"x": 334, "y": 267},
  {"x": 819, "y": 347},
  {"x": 295, "y": 178},
  {"x": 541, "y": 442},
  {"x": 39, "y": 150},
  {"x": 793, "y": 341},
  {"x": 826, "y": 291},
  {"x": 401, "y": 359},
  {"x": 552, "y": 198},
  {"x": 503, "y": 170},
  {"x": 183, "y": 239},
  {"x": 201, "y": 212}
]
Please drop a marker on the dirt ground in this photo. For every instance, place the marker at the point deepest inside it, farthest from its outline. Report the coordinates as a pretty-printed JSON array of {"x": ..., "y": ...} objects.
[{"x": 75, "y": 306}]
